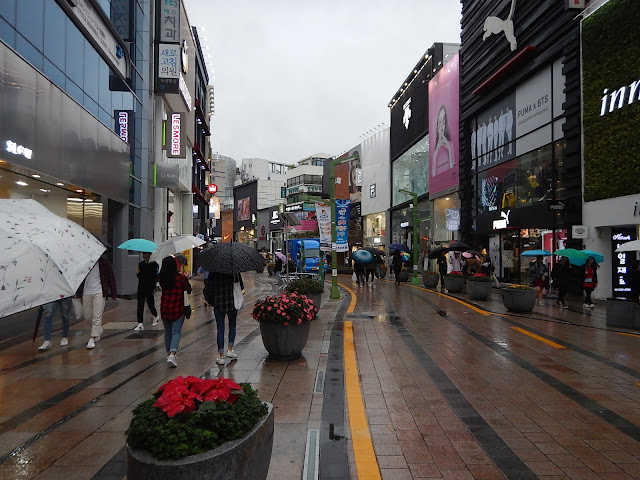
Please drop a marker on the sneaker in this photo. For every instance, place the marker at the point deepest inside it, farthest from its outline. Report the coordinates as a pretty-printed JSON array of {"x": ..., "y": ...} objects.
[
  {"x": 139, "y": 328},
  {"x": 220, "y": 360},
  {"x": 155, "y": 321},
  {"x": 585, "y": 305},
  {"x": 591, "y": 305},
  {"x": 558, "y": 302},
  {"x": 540, "y": 303},
  {"x": 565, "y": 306},
  {"x": 171, "y": 360},
  {"x": 96, "y": 339},
  {"x": 45, "y": 346},
  {"x": 91, "y": 344},
  {"x": 64, "y": 342},
  {"x": 231, "y": 354}
]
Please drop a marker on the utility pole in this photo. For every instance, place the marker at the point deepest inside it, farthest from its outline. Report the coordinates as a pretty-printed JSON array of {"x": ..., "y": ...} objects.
[{"x": 416, "y": 232}]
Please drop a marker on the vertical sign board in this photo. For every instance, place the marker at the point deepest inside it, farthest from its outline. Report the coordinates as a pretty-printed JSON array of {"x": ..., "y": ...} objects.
[
  {"x": 323, "y": 214},
  {"x": 342, "y": 225},
  {"x": 124, "y": 124},
  {"x": 168, "y": 20},
  {"x": 622, "y": 262},
  {"x": 175, "y": 143},
  {"x": 168, "y": 71}
]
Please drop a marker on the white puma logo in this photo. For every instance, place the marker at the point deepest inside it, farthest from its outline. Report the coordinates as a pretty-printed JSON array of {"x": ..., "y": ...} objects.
[
  {"x": 506, "y": 215},
  {"x": 496, "y": 25}
]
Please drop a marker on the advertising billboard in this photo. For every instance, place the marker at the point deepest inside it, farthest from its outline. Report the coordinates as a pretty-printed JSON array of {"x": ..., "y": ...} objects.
[
  {"x": 444, "y": 114},
  {"x": 244, "y": 209}
]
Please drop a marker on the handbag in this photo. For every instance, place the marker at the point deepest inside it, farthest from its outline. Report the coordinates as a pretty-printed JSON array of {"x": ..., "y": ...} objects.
[
  {"x": 77, "y": 307},
  {"x": 187, "y": 305},
  {"x": 237, "y": 296}
]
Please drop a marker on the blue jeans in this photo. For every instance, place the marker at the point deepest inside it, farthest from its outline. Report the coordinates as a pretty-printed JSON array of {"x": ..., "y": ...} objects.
[
  {"x": 233, "y": 316},
  {"x": 172, "y": 334},
  {"x": 50, "y": 311}
]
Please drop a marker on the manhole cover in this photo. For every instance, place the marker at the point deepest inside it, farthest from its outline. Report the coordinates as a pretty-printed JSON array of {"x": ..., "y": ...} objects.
[{"x": 145, "y": 334}]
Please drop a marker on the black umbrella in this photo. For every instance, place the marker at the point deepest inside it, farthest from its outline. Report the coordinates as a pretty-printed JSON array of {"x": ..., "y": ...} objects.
[
  {"x": 436, "y": 252},
  {"x": 230, "y": 258},
  {"x": 458, "y": 247},
  {"x": 376, "y": 252}
]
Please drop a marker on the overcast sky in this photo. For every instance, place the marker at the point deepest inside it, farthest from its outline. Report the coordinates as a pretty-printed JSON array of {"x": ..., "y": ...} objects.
[{"x": 293, "y": 77}]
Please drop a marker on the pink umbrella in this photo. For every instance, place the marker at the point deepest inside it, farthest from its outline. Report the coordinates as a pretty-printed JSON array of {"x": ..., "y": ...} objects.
[
  {"x": 281, "y": 256},
  {"x": 467, "y": 254}
]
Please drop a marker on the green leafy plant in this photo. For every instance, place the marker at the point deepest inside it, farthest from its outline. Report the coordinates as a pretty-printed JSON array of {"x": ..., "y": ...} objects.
[
  {"x": 479, "y": 277},
  {"x": 305, "y": 286},
  {"x": 454, "y": 274},
  {"x": 287, "y": 309},
  {"x": 519, "y": 287},
  {"x": 188, "y": 416}
]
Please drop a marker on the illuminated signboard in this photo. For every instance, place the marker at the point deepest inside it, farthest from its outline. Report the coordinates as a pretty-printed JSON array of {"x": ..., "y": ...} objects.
[
  {"x": 622, "y": 263},
  {"x": 184, "y": 92},
  {"x": 175, "y": 142},
  {"x": 13, "y": 147},
  {"x": 124, "y": 124},
  {"x": 212, "y": 188}
]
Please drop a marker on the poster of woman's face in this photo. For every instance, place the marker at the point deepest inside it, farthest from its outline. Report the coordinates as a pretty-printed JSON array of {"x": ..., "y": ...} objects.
[
  {"x": 443, "y": 137},
  {"x": 244, "y": 209},
  {"x": 355, "y": 178}
]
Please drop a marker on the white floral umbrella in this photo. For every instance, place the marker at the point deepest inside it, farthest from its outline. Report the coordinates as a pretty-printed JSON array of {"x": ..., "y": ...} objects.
[
  {"x": 43, "y": 257},
  {"x": 174, "y": 245}
]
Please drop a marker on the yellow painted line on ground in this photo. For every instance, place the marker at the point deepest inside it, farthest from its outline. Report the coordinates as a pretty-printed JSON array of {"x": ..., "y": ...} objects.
[
  {"x": 462, "y": 302},
  {"x": 629, "y": 335},
  {"x": 366, "y": 462},
  {"x": 538, "y": 337},
  {"x": 352, "y": 303}
]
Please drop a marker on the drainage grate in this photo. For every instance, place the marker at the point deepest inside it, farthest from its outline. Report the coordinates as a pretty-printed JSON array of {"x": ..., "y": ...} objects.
[
  {"x": 311, "y": 456},
  {"x": 145, "y": 334},
  {"x": 325, "y": 347},
  {"x": 319, "y": 387}
]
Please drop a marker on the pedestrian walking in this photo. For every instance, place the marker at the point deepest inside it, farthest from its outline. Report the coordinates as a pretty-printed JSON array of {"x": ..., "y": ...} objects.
[
  {"x": 65, "y": 305},
  {"x": 173, "y": 285},
  {"x": 220, "y": 294},
  {"x": 99, "y": 284},
  {"x": 635, "y": 280},
  {"x": 278, "y": 269},
  {"x": 539, "y": 276},
  {"x": 396, "y": 264},
  {"x": 455, "y": 261},
  {"x": 205, "y": 279},
  {"x": 442, "y": 268},
  {"x": 370, "y": 271},
  {"x": 589, "y": 281},
  {"x": 359, "y": 270},
  {"x": 561, "y": 275},
  {"x": 147, "y": 273}
]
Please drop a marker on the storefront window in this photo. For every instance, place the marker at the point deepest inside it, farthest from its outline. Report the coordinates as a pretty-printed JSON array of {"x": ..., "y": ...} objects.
[
  {"x": 446, "y": 219},
  {"x": 375, "y": 230},
  {"x": 410, "y": 172},
  {"x": 561, "y": 191},
  {"x": 402, "y": 224}
]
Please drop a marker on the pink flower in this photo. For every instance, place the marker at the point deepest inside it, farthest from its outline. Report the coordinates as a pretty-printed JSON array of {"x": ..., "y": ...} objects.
[
  {"x": 286, "y": 323},
  {"x": 269, "y": 308}
]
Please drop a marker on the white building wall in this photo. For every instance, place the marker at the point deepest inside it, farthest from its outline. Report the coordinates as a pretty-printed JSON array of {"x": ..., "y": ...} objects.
[
  {"x": 269, "y": 193},
  {"x": 376, "y": 170}
]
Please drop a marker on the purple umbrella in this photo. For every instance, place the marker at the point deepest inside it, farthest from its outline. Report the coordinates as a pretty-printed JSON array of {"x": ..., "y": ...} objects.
[{"x": 281, "y": 256}]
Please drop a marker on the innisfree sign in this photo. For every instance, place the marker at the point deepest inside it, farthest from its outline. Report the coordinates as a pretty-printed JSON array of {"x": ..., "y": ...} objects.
[{"x": 617, "y": 99}]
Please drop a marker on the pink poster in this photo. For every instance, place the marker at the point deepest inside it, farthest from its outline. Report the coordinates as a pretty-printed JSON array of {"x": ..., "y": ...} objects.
[{"x": 444, "y": 113}]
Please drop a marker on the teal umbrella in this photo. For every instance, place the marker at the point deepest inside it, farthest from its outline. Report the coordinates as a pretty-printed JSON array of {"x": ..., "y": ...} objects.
[
  {"x": 138, "y": 245},
  {"x": 576, "y": 257},
  {"x": 535, "y": 253},
  {"x": 598, "y": 257}
]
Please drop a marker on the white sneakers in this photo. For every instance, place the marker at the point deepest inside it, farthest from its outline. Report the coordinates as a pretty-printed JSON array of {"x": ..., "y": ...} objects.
[
  {"x": 139, "y": 328},
  {"x": 45, "y": 346},
  {"x": 171, "y": 360},
  {"x": 91, "y": 344},
  {"x": 64, "y": 342},
  {"x": 220, "y": 360},
  {"x": 155, "y": 321},
  {"x": 231, "y": 354}
]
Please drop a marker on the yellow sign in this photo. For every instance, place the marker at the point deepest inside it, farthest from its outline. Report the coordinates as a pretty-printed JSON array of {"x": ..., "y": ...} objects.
[{"x": 188, "y": 268}]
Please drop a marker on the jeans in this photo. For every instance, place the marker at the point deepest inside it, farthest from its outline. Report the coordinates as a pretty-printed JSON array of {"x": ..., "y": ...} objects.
[
  {"x": 50, "y": 312},
  {"x": 172, "y": 334},
  {"x": 146, "y": 297},
  {"x": 233, "y": 315}
]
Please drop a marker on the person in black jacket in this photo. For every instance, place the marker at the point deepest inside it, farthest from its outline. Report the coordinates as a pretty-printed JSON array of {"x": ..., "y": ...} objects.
[
  {"x": 147, "y": 278},
  {"x": 396, "y": 264},
  {"x": 219, "y": 293},
  {"x": 442, "y": 267},
  {"x": 635, "y": 279},
  {"x": 561, "y": 275}
]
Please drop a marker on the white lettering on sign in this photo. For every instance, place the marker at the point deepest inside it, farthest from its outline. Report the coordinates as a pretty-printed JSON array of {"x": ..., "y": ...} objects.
[
  {"x": 13, "y": 147},
  {"x": 620, "y": 237},
  {"x": 123, "y": 126},
  {"x": 407, "y": 113},
  {"x": 503, "y": 223},
  {"x": 184, "y": 92},
  {"x": 404, "y": 224},
  {"x": 619, "y": 98},
  {"x": 175, "y": 134}
]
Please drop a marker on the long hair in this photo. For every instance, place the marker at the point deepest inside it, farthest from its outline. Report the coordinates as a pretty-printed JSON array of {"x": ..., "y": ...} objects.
[
  {"x": 446, "y": 132},
  {"x": 168, "y": 272}
]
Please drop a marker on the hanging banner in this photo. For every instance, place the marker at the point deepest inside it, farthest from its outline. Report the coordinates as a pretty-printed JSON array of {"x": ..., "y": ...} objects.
[
  {"x": 323, "y": 215},
  {"x": 342, "y": 225}
]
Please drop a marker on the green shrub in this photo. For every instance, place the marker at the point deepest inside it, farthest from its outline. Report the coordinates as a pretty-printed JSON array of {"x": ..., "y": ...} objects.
[
  {"x": 479, "y": 277},
  {"x": 305, "y": 286}
]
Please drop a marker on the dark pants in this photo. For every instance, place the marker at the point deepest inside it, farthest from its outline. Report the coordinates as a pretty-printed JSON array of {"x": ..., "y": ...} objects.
[
  {"x": 371, "y": 273},
  {"x": 562, "y": 291},
  {"x": 587, "y": 296},
  {"x": 442, "y": 274},
  {"x": 146, "y": 297},
  {"x": 233, "y": 315},
  {"x": 396, "y": 272}
]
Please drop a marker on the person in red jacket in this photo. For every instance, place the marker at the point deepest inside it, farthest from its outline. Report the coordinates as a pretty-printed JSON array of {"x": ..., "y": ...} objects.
[
  {"x": 173, "y": 286},
  {"x": 590, "y": 281},
  {"x": 99, "y": 284}
]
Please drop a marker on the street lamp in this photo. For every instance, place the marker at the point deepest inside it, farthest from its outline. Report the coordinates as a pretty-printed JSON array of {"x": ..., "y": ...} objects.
[{"x": 416, "y": 232}]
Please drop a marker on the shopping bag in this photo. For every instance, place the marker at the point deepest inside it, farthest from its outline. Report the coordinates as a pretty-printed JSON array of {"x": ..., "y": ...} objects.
[
  {"x": 77, "y": 308},
  {"x": 237, "y": 296},
  {"x": 187, "y": 305}
]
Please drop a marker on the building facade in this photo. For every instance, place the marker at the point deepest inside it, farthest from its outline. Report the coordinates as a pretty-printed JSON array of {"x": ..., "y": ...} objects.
[{"x": 375, "y": 189}]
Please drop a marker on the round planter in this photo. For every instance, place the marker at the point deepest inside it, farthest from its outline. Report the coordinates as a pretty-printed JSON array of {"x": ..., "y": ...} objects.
[
  {"x": 316, "y": 298},
  {"x": 383, "y": 272},
  {"x": 430, "y": 280},
  {"x": 403, "y": 276},
  {"x": 478, "y": 290},
  {"x": 454, "y": 284},
  {"x": 284, "y": 342},
  {"x": 518, "y": 300},
  {"x": 246, "y": 458},
  {"x": 271, "y": 270}
]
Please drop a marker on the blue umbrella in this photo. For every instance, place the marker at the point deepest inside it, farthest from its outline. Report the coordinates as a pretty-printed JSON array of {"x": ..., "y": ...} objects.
[
  {"x": 138, "y": 245},
  {"x": 399, "y": 246},
  {"x": 598, "y": 257},
  {"x": 362, "y": 256},
  {"x": 535, "y": 253}
]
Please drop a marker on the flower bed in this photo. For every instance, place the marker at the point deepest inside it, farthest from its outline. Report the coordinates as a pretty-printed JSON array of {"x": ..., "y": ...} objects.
[
  {"x": 454, "y": 282},
  {"x": 519, "y": 298},
  {"x": 479, "y": 286}
]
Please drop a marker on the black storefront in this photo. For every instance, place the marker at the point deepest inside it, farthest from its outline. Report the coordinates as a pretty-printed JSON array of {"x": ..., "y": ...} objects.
[
  {"x": 520, "y": 131},
  {"x": 245, "y": 213}
]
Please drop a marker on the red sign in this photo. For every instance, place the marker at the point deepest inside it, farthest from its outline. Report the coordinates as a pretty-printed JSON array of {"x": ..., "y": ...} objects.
[{"x": 213, "y": 188}]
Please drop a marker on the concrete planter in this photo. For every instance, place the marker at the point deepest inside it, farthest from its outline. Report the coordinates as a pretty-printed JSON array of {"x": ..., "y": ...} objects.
[
  {"x": 454, "y": 284},
  {"x": 621, "y": 313},
  {"x": 403, "y": 276},
  {"x": 316, "y": 298},
  {"x": 284, "y": 342},
  {"x": 518, "y": 300},
  {"x": 247, "y": 458},
  {"x": 430, "y": 280},
  {"x": 478, "y": 290}
]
